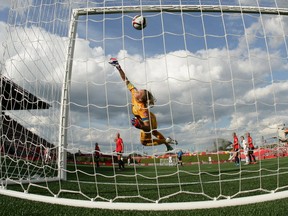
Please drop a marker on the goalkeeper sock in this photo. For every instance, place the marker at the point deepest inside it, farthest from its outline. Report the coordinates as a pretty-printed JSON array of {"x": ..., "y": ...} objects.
[
  {"x": 247, "y": 159},
  {"x": 119, "y": 164},
  {"x": 122, "y": 163}
]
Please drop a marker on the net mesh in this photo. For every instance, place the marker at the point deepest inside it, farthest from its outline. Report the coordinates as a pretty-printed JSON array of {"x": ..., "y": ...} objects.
[{"x": 214, "y": 70}]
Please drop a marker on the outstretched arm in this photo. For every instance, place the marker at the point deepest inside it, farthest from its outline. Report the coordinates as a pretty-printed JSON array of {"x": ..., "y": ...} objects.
[{"x": 122, "y": 74}]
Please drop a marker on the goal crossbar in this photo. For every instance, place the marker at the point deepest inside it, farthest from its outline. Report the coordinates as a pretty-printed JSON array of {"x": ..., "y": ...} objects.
[{"x": 183, "y": 8}]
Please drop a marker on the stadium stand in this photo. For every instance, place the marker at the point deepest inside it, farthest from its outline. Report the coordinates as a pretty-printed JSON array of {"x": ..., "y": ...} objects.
[{"x": 15, "y": 138}]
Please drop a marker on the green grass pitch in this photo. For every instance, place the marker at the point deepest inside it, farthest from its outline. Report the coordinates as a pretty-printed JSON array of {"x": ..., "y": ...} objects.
[{"x": 149, "y": 183}]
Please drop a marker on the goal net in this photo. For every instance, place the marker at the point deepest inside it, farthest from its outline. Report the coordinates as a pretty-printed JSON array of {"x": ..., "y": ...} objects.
[{"x": 215, "y": 67}]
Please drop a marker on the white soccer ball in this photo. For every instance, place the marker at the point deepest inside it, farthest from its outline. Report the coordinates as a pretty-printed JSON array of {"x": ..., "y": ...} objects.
[{"x": 139, "y": 22}]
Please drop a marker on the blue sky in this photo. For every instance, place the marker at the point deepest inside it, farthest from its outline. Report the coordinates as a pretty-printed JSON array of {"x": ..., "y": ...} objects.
[{"x": 212, "y": 74}]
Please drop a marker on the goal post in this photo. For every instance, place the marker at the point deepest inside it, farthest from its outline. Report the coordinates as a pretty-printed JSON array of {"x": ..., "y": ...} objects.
[
  {"x": 215, "y": 69},
  {"x": 64, "y": 115}
]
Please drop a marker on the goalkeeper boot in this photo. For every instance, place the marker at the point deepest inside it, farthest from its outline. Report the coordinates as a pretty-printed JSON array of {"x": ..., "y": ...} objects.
[{"x": 169, "y": 140}]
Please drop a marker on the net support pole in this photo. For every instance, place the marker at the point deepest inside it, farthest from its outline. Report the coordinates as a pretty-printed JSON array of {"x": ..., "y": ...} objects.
[{"x": 64, "y": 115}]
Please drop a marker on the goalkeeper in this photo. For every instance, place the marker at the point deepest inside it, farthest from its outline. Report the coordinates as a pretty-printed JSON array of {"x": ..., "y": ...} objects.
[{"x": 143, "y": 119}]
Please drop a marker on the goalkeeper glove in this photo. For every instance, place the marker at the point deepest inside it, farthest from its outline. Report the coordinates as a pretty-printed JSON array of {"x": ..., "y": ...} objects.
[
  {"x": 136, "y": 123},
  {"x": 114, "y": 62}
]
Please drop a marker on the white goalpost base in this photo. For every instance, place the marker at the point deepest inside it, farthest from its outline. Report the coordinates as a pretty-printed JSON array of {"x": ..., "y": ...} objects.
[{"x": 149, "y": 206}]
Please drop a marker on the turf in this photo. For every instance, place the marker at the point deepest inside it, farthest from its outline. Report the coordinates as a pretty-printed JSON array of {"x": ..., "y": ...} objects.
[
  {"x": 162, "y": 183},
  {"x": 14, "y": 206}
]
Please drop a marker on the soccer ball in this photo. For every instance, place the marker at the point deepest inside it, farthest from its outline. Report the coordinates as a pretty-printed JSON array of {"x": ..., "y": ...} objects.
[{"x": 139, "y": 22}]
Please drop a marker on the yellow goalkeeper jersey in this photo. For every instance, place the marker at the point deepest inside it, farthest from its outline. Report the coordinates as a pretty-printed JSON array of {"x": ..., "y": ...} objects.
[{"x": 138, "y": 108}]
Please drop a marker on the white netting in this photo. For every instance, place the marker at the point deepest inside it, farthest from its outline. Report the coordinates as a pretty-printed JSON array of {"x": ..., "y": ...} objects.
[{"x": 215, "y": 67}]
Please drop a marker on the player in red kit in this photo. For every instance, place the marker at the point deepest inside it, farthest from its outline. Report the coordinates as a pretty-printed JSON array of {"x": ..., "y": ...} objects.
[
  {"x": 236, "y": 148},
  {"x": 252, "y": 157},
  {"x": 119, "y": 149}
]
